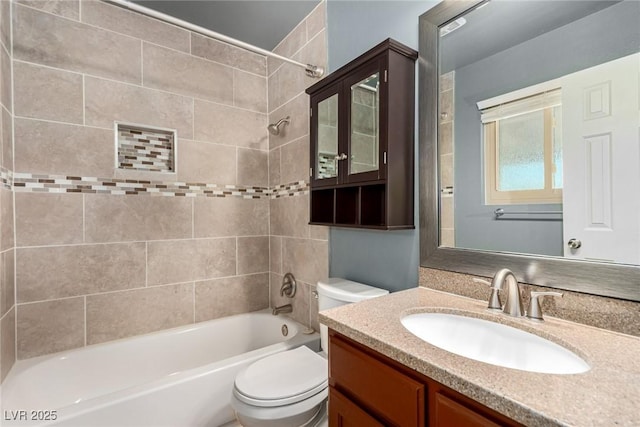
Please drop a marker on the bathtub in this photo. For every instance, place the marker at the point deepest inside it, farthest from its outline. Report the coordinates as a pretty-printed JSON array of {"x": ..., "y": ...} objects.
[{"x": 178, "y": 377}]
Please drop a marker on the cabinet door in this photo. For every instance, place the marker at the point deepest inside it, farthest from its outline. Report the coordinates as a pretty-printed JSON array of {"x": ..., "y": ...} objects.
[
  {"x": 345, "y": 413},
  {"x": 365, "y": 97},
  {"x": 325, "y": 136}
]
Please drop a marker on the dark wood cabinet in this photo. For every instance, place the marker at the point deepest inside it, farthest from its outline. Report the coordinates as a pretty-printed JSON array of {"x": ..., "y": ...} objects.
[
  {"x": 369, "y": 389},
  {"x": 362, "y": 141}
]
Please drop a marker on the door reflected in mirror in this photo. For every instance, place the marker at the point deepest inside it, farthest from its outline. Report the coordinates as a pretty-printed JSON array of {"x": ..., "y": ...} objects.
[{"x": 538, "y": 137}]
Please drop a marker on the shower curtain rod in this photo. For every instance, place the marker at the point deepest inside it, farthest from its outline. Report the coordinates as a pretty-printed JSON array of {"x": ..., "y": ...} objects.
[{"x": 312, "y": 70}]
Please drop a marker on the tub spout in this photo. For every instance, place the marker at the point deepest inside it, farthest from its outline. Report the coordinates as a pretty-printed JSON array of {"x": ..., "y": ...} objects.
[{"x": 282, "y": 309}]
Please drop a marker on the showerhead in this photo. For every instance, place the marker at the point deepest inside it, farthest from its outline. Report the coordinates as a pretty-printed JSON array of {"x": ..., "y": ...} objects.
[{"x": 274, "y": 128}]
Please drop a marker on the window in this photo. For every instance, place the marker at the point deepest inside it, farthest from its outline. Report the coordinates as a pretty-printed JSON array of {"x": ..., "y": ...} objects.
[{"x": 523, "y": 150}]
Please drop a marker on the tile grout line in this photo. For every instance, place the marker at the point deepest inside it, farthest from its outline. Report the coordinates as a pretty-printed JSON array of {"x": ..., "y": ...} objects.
[
  {"x": 85, "y": 320},
  {"x": 84, "y": 224},
  {"x": 13, "y": 194},
  {"x": 146, "y": 264}
]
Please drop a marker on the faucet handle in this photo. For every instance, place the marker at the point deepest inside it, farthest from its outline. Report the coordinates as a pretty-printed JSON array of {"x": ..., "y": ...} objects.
[
  {"x": 494, "y": 298},
  {"x": 535, "y": 310}
]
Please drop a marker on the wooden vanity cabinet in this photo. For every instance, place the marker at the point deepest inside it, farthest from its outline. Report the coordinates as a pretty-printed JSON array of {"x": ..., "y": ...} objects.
[
  {"x": 362, "y": 141},
  {"x": 369, "y": 389}
]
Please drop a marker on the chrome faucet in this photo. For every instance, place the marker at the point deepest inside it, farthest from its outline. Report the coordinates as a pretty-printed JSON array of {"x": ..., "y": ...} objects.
[
  {"x": 287, "y": 308},
  {"x": 513, "y": 305}
]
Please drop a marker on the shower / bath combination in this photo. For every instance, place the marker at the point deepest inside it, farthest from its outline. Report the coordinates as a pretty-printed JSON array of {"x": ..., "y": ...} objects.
[{"x": 274, "y": 128}]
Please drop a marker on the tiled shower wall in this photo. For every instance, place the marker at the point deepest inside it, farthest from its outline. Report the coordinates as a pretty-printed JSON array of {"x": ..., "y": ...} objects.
[
  {"x": 295, "y": 246},
  {"x": 94, "y": 264},
  {"x": 7, "y": 249}
]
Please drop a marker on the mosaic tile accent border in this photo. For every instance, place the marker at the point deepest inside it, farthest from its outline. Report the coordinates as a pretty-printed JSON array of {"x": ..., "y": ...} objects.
[
  {"x": 25, "y": 182},
  {"x": 326, "y": 165},
  {"x": 145, "y": 149}
]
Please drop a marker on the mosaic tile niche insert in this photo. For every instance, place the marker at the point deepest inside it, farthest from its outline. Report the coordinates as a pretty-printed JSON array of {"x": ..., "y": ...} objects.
[{"x": 145, "y": 148}]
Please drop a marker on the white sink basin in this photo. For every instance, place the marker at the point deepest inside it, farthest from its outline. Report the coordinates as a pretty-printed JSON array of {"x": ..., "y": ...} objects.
[{"x": 493, "y": 343}]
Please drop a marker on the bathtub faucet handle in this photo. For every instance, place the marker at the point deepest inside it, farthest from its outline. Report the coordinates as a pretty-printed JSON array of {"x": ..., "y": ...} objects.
[{"x": 288, "y": 288}]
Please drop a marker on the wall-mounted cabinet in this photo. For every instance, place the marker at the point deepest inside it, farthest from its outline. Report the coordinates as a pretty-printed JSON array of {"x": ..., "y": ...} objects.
[{"x": 362, "y": 149}]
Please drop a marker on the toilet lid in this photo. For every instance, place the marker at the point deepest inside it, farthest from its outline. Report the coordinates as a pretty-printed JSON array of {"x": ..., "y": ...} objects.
[{"x": 282, "y": 378}]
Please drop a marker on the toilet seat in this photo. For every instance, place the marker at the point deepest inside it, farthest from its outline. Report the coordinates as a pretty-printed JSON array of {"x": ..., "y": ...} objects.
[{"x": 282, "y": 379}]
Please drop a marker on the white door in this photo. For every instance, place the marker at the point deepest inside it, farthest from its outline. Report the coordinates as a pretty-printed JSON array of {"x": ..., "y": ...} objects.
[{"x": 601, "y": 161}]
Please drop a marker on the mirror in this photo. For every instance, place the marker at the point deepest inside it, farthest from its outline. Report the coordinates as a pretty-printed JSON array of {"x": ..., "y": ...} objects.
[
  {"x": 530, "y": 104},
  {"x": 326, "y": 157},
  {"x": 364, "y": 125}
]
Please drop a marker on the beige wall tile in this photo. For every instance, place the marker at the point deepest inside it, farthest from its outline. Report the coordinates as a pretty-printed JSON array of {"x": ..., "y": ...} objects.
[
  {"x": 316, "y": 20},
  {"x": 74, "y": 47},
  {"x": 446, "y": 212},
  {"x": 284, "y": 84},
  {"x": 319, "y": 232},
  {"x": 134, "y": 218},
  {"x": 7, "y": 343},
  {"x": 294, "y": 159},
  {"x": 446, "y": 81},
  {"x": 446, "y": 106},
  {"x": 134, "y": 24},
  {"x": 306, "y": 259},
  {"x": 253, "y": 167},
  {"x": 50, "y": 326},
  {"x": 64, "y": 271},
  {"x": 274, "y": 167},
  {"x": 60, "y": 149},
  {"x": 231, "y": 295},
  {"x": 7, "y": 281},
  {"x": 227, "y": 54},
  {"x": 124, "y": 314},
  {"x": 446, "y": 170},
  {"x": 447, "y": 238},
  {"x": 300, "y": 302},
  {"x": 445, "y": 140},
  {"x": 249, "y": 91},
  {"x": 48, "y": 219},
  {"x": 7, "y": 138},
  {"x": 314, "y": 52},
  {"x": 5, "y": 80},
  {"x": 294, "y": 41},
  {"x": 275, "y": 254},
  {"x": 230, "y": 216},
  {"x": 206, "y": 163},
  {"x": 67, "y": 8},
  {"x": 253, "y": 254},
  {"x": 181, "y": 73},
  {"x": 6, "y": 225},
  {"x": 108, "y": 101},
  {"x": 230, "y": 126},
  {"x": 289, "y": 216},
  {"x": 298, "y": 111},
  {"x": 5, "y": 24},
  {"x": 188, "y": 260}
]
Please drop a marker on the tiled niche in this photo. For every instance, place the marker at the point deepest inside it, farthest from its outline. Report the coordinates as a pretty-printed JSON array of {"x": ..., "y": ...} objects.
[{"x": 145, "y": 148}]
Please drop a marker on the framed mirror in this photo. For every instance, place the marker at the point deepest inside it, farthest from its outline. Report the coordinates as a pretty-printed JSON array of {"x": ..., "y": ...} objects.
[{"x": 530, "y": 142}]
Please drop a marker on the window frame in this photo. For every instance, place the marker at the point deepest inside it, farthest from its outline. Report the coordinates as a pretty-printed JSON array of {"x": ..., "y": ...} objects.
[{"x": 493, "y": 196}]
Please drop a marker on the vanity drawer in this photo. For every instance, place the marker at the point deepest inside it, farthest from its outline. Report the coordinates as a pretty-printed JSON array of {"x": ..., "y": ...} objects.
[
  {"x": 448, "y": 413},
  {"x": 344, "y": 413},
  {"x": 384, "y": 391}
]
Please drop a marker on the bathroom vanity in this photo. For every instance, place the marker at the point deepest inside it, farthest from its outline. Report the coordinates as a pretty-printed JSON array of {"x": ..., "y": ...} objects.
[{"x": 381, "y": 374}]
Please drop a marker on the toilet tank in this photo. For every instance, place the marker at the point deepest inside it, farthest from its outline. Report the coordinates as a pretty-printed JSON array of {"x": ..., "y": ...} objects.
[{"x": 335, "y": 291}]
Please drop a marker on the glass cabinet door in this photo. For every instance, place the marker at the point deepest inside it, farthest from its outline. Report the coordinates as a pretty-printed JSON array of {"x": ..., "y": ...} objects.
[
  {"x": 365, "y": 128},
  {"x": 326, "y": 156}
]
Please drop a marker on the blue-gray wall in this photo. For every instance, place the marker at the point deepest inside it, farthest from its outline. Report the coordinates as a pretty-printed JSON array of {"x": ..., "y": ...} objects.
[
  {"x": 579, "y": 45},
  {"x": 387, "y": 259}
]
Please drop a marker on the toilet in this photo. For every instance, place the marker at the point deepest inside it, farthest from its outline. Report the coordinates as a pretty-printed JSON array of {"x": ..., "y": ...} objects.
[{"x": 290, "y": 389}]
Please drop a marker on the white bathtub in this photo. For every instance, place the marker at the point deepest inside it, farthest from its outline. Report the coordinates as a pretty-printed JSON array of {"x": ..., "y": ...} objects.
[{"x": 179, "y": 377}]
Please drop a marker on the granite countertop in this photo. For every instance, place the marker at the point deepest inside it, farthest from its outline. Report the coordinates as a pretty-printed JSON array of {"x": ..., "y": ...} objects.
[{"x": 606, "y": 395}]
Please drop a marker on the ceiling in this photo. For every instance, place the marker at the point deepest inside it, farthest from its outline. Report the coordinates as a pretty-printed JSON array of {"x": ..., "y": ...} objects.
[
  {"x": 260, "y": 23},
  {"x": 500, "y": 25}
]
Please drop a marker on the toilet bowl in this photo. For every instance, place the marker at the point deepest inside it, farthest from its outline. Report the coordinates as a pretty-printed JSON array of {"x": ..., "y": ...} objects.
[
  {"x": 290, "y": 389},
  {"x": 286, "y": 389}
]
